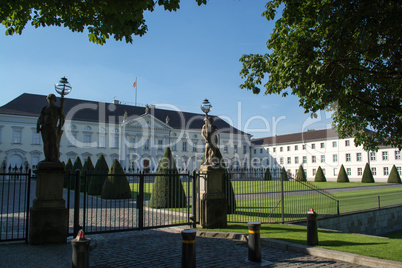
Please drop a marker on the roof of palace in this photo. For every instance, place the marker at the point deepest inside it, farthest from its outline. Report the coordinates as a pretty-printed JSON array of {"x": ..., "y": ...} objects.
[
  {"x": 311, "y": 135},
  {"x": 91, "y": 111}
]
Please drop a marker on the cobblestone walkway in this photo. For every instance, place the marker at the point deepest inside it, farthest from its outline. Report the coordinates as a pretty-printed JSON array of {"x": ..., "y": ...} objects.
[{"x": 162, "y": 248}]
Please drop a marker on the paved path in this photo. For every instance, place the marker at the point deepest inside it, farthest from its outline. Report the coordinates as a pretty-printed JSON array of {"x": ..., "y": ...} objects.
[{"x": 162, "y": 248}]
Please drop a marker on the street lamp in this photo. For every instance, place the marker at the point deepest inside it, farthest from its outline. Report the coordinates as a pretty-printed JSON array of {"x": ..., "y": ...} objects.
[
  {"x": 63, "y": 87},
  {"x": 206, "y": 107}
]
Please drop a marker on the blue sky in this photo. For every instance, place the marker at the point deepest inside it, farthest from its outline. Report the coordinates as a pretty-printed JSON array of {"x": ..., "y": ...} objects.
[{"x": 185, "y": 57}]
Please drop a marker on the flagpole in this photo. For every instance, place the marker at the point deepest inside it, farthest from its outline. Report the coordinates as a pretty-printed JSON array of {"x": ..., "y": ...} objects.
[{"x": 136, "y": 91}]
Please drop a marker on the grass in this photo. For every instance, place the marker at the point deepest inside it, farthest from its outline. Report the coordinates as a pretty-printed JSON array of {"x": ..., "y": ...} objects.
[{"x": 388, "y": 247}]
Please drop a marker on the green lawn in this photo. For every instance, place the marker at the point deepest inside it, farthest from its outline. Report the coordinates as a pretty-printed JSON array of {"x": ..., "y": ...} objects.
[{"x": 388, "y": 247}]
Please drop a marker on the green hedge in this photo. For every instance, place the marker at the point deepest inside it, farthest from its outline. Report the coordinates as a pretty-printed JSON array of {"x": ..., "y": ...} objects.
[
  {"x": 96, "y": 182},
  {"x": 68, "y": 167},
  {"x": 342, "y": 175},
  {"x": 87, "y": 169},
  {"x": 267, "y": 175},
  {"x": 394, "y": 176},
  {"x": 284, "y": 174},
  {"x": 301, "y": 176},
  {"x": 367, "y": 175},
  {"x": 116, "y": 185},
  {"x": 320, "y": 176}
]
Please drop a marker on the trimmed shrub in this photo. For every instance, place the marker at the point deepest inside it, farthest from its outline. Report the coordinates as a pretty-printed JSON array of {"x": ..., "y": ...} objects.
[
  {"x": 267, "y": 175},
  {"x": 367, "y": 175},
  {"x": 393, "y": 176},
  {"x": 77, "y": 165},
  {"x": 284, "y": 174},
  {"x": 301, "y": 176},
  {"x": 342, "y": 175},
  {"x": 87, "y": 169},
  {"x": 167, "y": 191},
  {"x": 116, "y": 185},
  {"x": 67, "y": 167},
  {"x": 320, "y": 176},
  {"x": 96, "y": 182}
]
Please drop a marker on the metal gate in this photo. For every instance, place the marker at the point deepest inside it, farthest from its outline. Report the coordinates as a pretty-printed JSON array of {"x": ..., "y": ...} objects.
[
  {"x": 15, "y": 200},
  {"x": 153, "y": 201}
]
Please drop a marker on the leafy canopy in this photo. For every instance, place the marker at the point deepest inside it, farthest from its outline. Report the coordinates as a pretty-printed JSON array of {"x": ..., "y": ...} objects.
[
  {"x": 103, "y": 19},
  {"x": 340, "y": 55}
]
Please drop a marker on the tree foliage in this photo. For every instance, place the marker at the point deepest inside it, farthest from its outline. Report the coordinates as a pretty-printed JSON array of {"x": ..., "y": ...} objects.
[
  {"x": 77, "y": 166},
  {"x": 301, "y": 176},
  {"x": 284, "y": 174},
  {"x": 68, "y": 167},
  {"x": 87, "y": 169},
  {"x": 339, "y": 55},
  {"x": 267, "y": 175},
  {"x": 103, "y": 19}
]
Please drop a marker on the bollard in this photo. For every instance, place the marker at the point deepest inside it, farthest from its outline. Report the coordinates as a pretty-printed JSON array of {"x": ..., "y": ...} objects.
[
  {"x": 254, "y": 242},
  {"x": 80, "y": 251},
  {"x": 188, "y": 248},
  {"x": 312, "y": 230}
]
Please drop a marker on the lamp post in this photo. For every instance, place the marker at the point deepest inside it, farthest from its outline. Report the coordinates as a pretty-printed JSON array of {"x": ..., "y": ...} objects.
[
  {"x": 63, "y": 87},
  {"x": 206, "y": 107}
]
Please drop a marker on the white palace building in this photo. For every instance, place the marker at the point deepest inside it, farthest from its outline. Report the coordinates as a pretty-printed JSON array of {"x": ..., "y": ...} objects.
[
  {"x": 324, "y": 148},
  {"x": 136, "y": 136}
]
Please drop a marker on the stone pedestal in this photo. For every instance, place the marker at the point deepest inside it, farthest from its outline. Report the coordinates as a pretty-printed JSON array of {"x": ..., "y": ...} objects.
[
  {"x": 213, "y": 207},
  {"x": 48, "y": 214}
]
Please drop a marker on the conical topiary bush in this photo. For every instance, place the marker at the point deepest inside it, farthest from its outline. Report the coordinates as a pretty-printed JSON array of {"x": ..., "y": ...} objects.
[
  {"x": 301, "y": 176},
  {"x": 320, "y": 176},
  {"x": 77, "y": 166},
  {"x": 284, "y": 174},
  {"x": 367, "y": 175},
  {"x": 267, "y": 175},
  {"x": 116, "y": 185},
  {"x": 167, "y": 191},
  {"x": 99, "y": 177},
  {"x": 393, "y": 176},
  {"x": 68, "y": 167},
  {"x": 342, "y": 175},
  {"x": 87, "y": 169}
]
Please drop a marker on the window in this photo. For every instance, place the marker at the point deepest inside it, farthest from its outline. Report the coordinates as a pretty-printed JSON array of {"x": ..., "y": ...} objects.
[
  {"x": 296, "y": 147},
  {"x": 87, "y": 128},
  {"x": 322, "y": 158},
  {"x": 116, "y": 142},
  {"x": 359, "y": 171},
  {"x": 347, "y": 143},
  {"x": 335, "y": 172},
  {"x": 235, "y": 148},
  {"x": 296, "y": 160},
  {"x": 304, "y": 147},
  {"x": 174, "y": 147},
  {"x": 102, "y": 140},
  {"x": 160, "y": 144},
  {"x": 267, "y": 150},
  {"x": 349, "y": 171},
  {"x": 397, "y": 155},
  {"x": 146, "y": 145},
  {"x": 313, "y": 146},
  {"x": 322, "y": 145},
  {"x": 87, "y": 139},
  {"x": 399, "y": 169},
  {"x": 358, "y": 157},
  {"x": 17, "y": 136},
  {"x": 261, "y": 151},
  {"x": 245, "y": 149},
  {"x": 195, "y": 146},
  {"x": 226, "y": 149},
  {"x": 274, "y": 149},
  {"x": 348, "y": 159},
  {"x": 184, "y": 148},
  {"x": 372, "y": 156},
  {"x": 323, "y": 171},
  {"x": 373, "y": 171},
  {"x": 281, "y": 161},
  {"x": 314, "y": 171},
  {"x": 289, "y": 160},
  {"x": 385, "y": 156},
  {"x": 334, "y": 144},
  {"x": 304, "y": 159},
  {"x": 386, "y": 171},
  {"x": 288, "y": 148},
  {"x": 313, "y": 159},
  {"x": 35, "y": 138},
  {"x": 72, "y": 140},
  {"x": 280, "y": 149},
  {"x": 335, "y": 158}
]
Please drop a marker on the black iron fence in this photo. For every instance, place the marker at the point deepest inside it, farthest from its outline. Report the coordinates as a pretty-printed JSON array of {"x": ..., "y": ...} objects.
[
  {"x": 254, "y": 195},
  {"x": 15, "y": 188},
  {"x": 131, "y": 201}
]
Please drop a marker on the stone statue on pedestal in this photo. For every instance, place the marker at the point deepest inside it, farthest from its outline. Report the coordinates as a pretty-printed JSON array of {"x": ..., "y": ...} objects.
[
  {"x": 210, "y": 134},
  {"x": 50, "y": 122}
]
